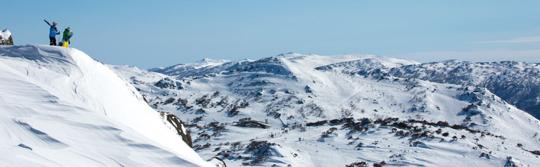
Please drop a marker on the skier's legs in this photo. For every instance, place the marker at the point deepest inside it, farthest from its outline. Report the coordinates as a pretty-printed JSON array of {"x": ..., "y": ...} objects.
[
  {"x": 52, "y": 41},
  {"x": 65, "y": 44}
]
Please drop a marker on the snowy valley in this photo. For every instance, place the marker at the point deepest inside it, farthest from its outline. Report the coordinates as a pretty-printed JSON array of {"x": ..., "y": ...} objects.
[{"x": 311, "y": 110}]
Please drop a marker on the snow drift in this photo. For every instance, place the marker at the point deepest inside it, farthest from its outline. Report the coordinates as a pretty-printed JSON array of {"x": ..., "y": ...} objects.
[{"x": 59, "y": 107}]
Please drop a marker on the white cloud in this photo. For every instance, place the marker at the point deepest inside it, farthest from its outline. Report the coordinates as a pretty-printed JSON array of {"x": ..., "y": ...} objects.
[{"x": 518, "y": 40}]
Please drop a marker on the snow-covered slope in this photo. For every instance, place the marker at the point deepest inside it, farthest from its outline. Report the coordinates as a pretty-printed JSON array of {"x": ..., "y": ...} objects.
[
  {"x": 59, "y": 107},
  {"x": 304, "y": 110},
  {"x": 515, "y": 82}
]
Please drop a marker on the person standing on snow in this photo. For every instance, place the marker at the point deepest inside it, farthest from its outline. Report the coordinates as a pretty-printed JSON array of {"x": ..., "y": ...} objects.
[
  {"x": 66, "y": 36},
  {"x": 53, "y": 32},
  {"x": 6, "y": 38}
]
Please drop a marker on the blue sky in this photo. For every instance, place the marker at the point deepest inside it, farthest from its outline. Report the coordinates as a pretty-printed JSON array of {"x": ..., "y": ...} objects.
[{"x": 160, "y": 33}]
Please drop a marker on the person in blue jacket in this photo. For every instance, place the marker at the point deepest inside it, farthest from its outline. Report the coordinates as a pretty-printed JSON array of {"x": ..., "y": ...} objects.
[{"x": 53, "y": 32}]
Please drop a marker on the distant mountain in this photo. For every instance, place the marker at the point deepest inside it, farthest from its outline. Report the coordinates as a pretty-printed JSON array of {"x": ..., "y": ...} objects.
[
  {"x": 59, "y": 107},
  {"x": 516, "y": 82},
  {"x": 310, "y": 110}
]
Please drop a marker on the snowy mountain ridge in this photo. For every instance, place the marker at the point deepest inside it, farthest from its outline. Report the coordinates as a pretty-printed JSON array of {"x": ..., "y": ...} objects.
[
  {"x": 59, "y": 107},
  {"x": 294, "y": 109},
  {"x": 515, "y": 82}
]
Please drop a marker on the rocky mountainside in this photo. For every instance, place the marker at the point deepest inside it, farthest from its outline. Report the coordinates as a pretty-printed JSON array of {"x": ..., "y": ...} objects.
[
  {"x": 310, "y": 110},
  {"x": 516, "y": 82}
]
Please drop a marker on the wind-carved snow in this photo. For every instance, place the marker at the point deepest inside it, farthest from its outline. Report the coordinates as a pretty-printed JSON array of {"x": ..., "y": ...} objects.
[
  {"x": 59, "y": 107},
  {"x": 311, "y": 110}
]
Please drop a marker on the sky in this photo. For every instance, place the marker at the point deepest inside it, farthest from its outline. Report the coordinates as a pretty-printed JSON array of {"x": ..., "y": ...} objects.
[{"x": 165, "y": 32}]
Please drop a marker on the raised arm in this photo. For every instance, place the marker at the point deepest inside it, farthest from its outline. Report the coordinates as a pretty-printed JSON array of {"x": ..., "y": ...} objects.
[{"x": 47, "y": 22}]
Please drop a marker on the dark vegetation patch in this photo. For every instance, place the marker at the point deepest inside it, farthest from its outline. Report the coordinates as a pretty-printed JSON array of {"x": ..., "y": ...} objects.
[
  {"x": 405, "y": 128},
  {"x": 260, "y": 151},
  {"x": 357, "y": 164},
  {"x": 247, "y": 122},
  {"x": 167, "y": 83}
]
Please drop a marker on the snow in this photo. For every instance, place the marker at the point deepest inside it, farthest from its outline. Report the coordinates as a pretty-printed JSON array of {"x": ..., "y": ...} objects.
[
  {"x": 204, "y": 63},
  {"x": 275, "y": 90},
  {"x": 59, "y": 107}
]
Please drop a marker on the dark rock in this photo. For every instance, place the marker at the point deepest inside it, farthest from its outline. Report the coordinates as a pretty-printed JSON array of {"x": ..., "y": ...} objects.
[
  {"x": 168, "y": 101},
  {"x": 318, "y": 123},
  {"x": 340, "y": 121},
  {"x": 357, "y": 164},
  {"x": 380, "y": 164},
  {"x": 25, "y": 146},
  {"x": 510, "y": 162},
  {"x": 247, "y": 122},
  {"x": 200, "y": 111},
  {"x": 179, "y": 126},
  {"x": 235, "y": 108},
  {"x": 203, "y": 101},
  {"x": 485, "y": 155},
  {"x": 260, "y": 151},
  {"x": 198, "y": 147},
  {"x": 167, "y": 83},
  {"x": 216, "y": 127},
  {"x": 307, "y": 89},
  {"x": 445, "y": 134}
]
